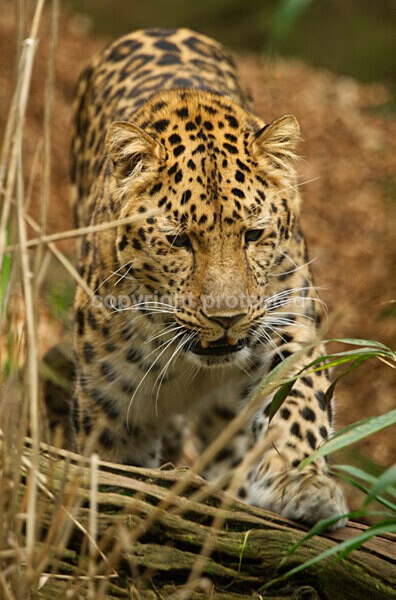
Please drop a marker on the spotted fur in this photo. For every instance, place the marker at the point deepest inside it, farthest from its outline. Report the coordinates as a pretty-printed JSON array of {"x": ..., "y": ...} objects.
[{"x": 165, "y": 137}]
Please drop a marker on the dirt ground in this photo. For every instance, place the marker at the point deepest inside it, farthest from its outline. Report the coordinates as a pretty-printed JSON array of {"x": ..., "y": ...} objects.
[{"x": 347, "y": 173}]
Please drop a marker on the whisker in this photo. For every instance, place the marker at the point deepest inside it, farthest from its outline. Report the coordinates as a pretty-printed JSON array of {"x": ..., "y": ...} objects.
[
  {"x": 125, "y": 275},
  {"x": 167, "y": 330},
  {"x": 112, "y": 273},
  {"x": 289, "y": 292},
  {"x": 162, "y": 345},
  {"x": 245, "y": 368},
  {"x": 191, "y": 371},
  {"x": 284, "y": 315},
  {"x": 156, "y": 303},
  {"x": 141, "y": 306},
  {"x": 276, "y": 332},
  {"x": 295, "y": 186},
  {"x": 161, "y": 375},
  {"x": 175, "y": 233},
  {"x": 296, "y": 267},
  {"x": 166, "y": 344},
  {"x": 262, "y": 334},
  {"x": 294, "y": 300}
]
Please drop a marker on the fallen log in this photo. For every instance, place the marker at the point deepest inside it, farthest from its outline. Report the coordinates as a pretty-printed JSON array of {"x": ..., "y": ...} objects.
[{"x": 114, "y": 531}]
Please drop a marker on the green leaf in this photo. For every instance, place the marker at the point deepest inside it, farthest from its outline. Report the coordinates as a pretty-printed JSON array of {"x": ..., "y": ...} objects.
[
  {"x": 277, "y": 375},
  {"x": 383, "y": 483},
  {"x": 330, "y": 390},
  {"x": 352, "y": 434},
  {"x": 339, "y": 358},
  {"x": 350, "y": 427},
  {"x": 286, "y": 14},
  {"x": 5, "y": 273},
  {"x": 363, "y": 475},
  {"x": 359, "y": 342},
  {"x": 320, "y": 527},
  {"x": 342, "y": 549},
  {"x": 386, "y": 526},
  {"x": 366, "y": 490},
  {"x": 278, "y": 399}
]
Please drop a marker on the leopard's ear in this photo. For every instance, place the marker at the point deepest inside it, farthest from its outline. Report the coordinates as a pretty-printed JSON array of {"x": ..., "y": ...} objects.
[
  {"x": 132, "y": 150},
  {"x": 277, "y": 141}
]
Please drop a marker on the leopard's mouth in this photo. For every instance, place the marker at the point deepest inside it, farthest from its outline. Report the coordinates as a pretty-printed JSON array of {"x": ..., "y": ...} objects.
[{"x": 219, "y": 347}]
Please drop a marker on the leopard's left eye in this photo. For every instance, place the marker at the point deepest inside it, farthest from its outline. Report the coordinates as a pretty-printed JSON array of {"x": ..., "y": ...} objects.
[
  {"x": 253, "y": 235},
  {"x": 179, "y": 241}
]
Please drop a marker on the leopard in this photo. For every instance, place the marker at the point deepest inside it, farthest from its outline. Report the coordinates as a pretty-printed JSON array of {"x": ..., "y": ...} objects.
[{"x": 195, "y": 279}]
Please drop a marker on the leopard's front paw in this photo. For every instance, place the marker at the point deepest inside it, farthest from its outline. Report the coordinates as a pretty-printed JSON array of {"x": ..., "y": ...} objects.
[{"x": 305, "y": 497}]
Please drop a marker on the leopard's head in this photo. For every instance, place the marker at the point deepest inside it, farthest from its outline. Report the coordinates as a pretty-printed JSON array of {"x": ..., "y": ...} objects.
[{"x": 215, "y": 189}]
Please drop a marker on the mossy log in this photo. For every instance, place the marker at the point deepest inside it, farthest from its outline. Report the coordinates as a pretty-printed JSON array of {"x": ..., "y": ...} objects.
[{"x": 149, "y": 540}]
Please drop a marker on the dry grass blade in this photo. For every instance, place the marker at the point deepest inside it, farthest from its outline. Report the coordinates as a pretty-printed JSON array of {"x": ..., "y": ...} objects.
[
  {"x": 32, "y": 364},
  {"x": 93, "y": 515},
  {"x": 13, "y": 137},
  {"x": 48, "y": 111},
  {"x": 11, "y": 175},
  {"x": 65, "y": 262},
  {"x": 67, "y": 506},
  {"x": 72, "y": 233}
]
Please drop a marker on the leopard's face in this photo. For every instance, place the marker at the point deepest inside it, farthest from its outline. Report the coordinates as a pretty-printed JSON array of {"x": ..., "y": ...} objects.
[{"x": 216, "y": 205}]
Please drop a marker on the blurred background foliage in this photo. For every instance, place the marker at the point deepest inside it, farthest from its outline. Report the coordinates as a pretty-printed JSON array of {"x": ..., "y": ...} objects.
[{"x": 350, "y": 37}]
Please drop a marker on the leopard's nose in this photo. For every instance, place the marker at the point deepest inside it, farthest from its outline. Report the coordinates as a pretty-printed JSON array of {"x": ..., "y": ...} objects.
[{"x": 225, "y": 321}]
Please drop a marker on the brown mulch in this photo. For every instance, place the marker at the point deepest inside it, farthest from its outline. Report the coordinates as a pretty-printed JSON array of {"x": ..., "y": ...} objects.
[{"x": 347, "y": 177}]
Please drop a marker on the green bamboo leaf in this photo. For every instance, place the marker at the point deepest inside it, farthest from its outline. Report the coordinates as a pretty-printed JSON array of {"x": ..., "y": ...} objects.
[
  {"x": 352, "y": 434},
  {"x": 322, "y": 526},
  {"x": 363, "y": 475},
  {"x": 383, "y": 483},
  {"x": 359, "y": 342},
  {"x": 290, "y": 360},
  {"x": 388, "y": 526},
  {"x": 343, "y": 548},
  {"x": 278, "y": 399},
  {"x": 329, "y": 361},
  {"x": 330, "y": 390},
  {"x": 366, "y": 490},
  {"x": 334, "y": 360},
  {"x": 277, "y": 375},
  {"x": 285, "y": 16},
  {"x": 347, "y": 428},
  {"x": 5, "y": 273},
  {"x": 356, "y": 352}
]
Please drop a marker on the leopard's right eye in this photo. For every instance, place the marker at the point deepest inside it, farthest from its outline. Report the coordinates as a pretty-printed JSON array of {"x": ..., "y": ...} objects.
[
  {"x": 179, "y": 241},
  {"x": 253, "y": 235}
]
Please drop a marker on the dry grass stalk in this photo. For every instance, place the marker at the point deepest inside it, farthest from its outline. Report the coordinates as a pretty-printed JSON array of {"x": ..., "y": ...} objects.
[
  {"x": 93, "y": 530},
  {"x": 64, "y": 262},
  {"x": 72, "y": 233},
  {"x": 12, "y": 186},
  {"x": 48, "y": 111},
  {"x": 15, "y": 123}
]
